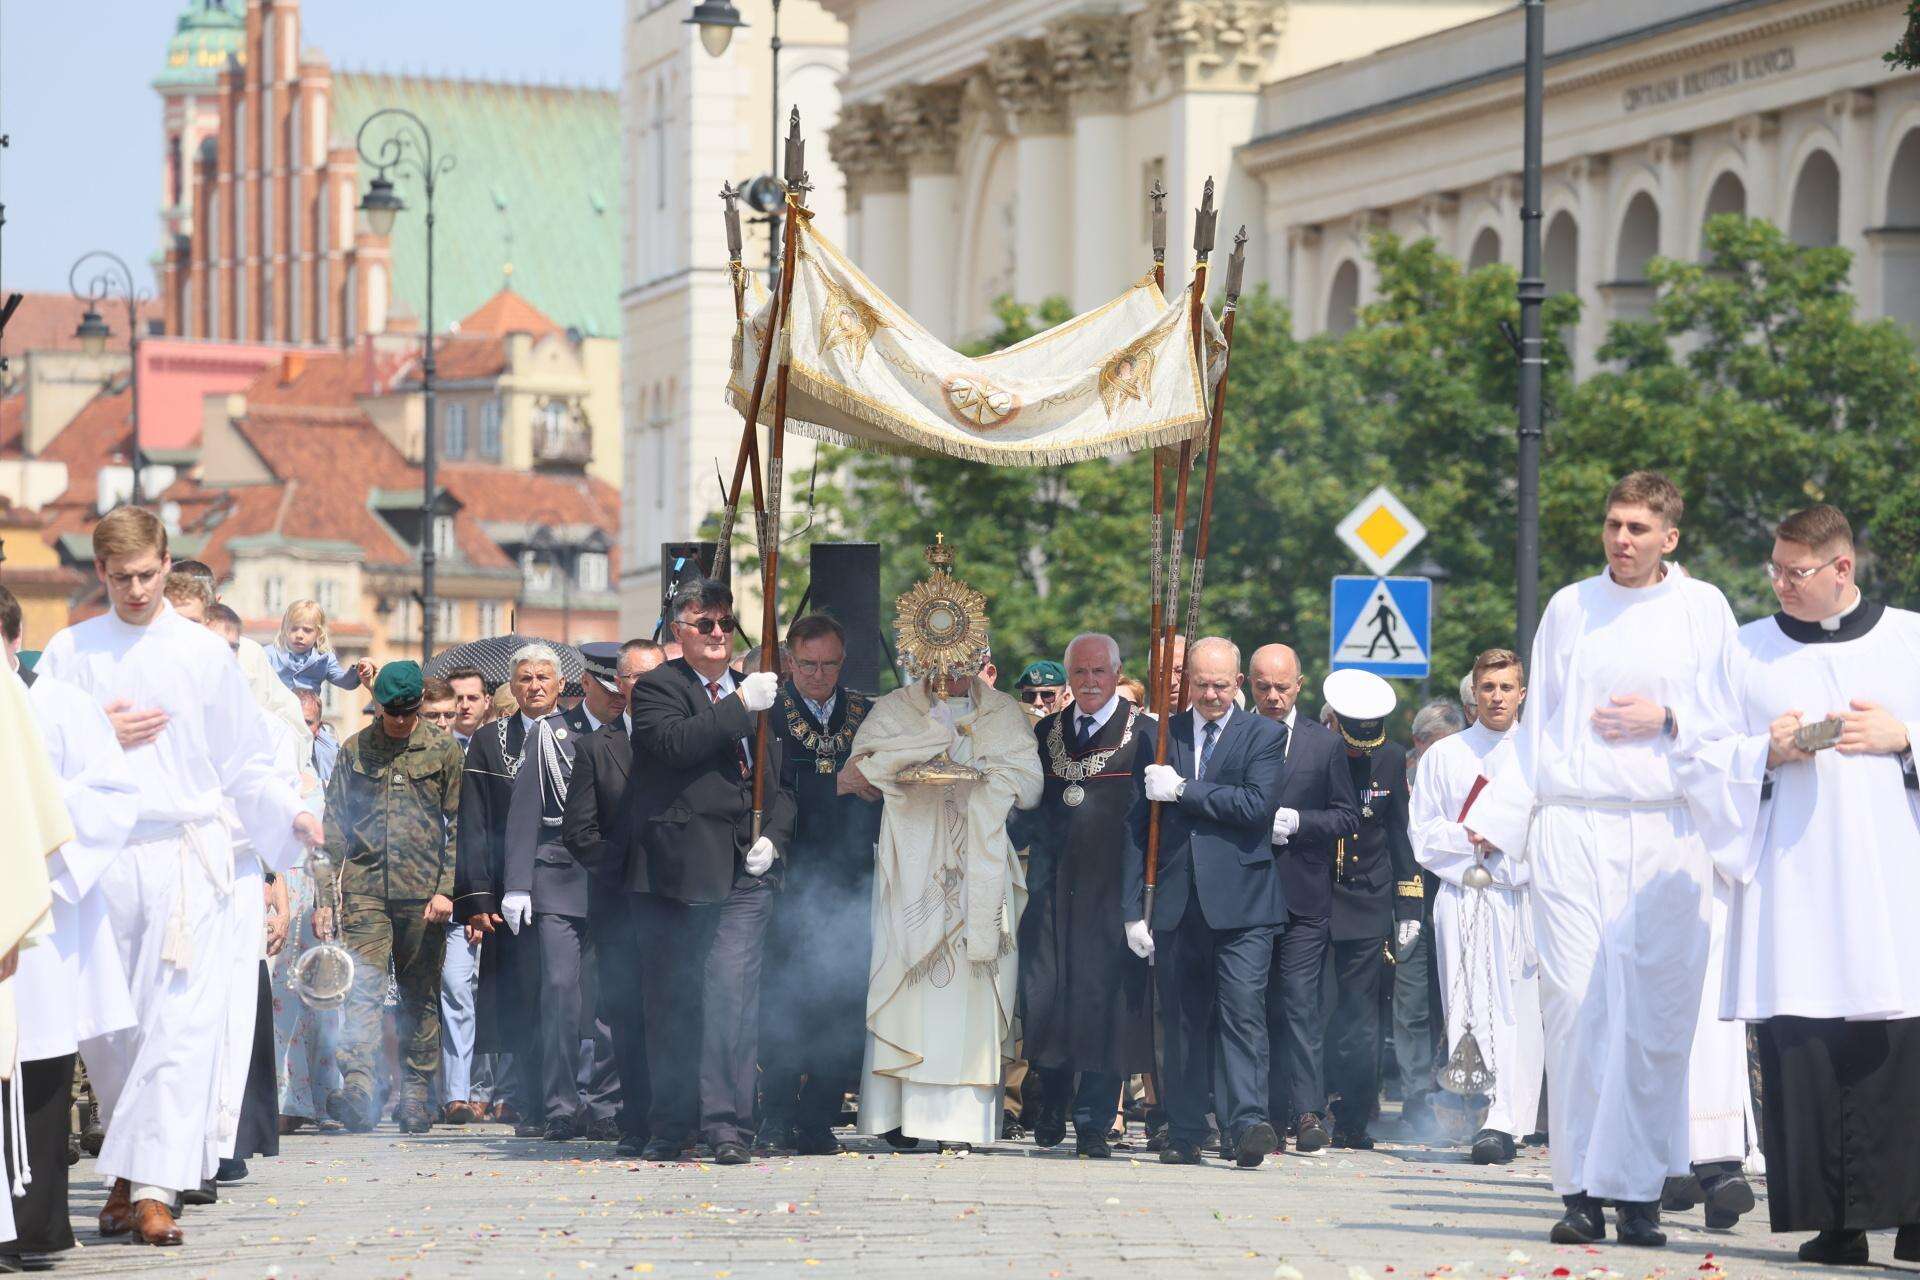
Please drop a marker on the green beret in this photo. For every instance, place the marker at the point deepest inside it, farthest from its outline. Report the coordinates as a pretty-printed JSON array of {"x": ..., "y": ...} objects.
[
  {"x": 1044, "y": 672},
  {"x": 398, "y": 686}
]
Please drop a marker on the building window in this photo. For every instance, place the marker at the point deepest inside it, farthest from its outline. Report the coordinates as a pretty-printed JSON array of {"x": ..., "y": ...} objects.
[
  {"x": 446, "y": 619},
  {"x": 453, "y": 438},
  {"x": 489, "y": 619},
  {"x": 443, "y": 540},
  {"x": 273, "y": 595},
  {"x": 490, "y": 445},
  {"x": 592, "y": 571},
  {"x": 326, "y": 594},
  {"x": 536, "y": 570}
]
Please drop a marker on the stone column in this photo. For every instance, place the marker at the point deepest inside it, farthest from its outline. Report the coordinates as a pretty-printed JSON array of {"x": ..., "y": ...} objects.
[
  {"x": 1091, "y": 57},
  {"x": 1671, "y": 158},
  {"x": 1303, "y": 280},
  {"x": 1589, "y": 177},
  {"x": 863, "y": 145},
  {"x": 1852, "y": 115},
  {"x": 1044, "y": 223},
  {"x": 926, "y": 125},
  {"x": 1758, "y": 137},
  {"x": 1440, "y": 219}
]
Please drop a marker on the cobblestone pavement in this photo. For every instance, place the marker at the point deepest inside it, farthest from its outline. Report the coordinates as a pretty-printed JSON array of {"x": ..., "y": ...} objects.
[{"x": 476, "y": 1201}]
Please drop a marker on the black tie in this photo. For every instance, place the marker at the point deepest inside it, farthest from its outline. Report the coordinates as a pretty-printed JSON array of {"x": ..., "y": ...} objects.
[
  {"x": 1211, "y": 734},
  {"x": 1285, "y": 733},
  {"x": 1084, "y": 737}
]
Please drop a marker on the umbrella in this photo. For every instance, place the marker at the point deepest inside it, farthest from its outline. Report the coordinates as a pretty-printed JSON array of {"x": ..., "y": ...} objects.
[{"x": 493, "y": 659}]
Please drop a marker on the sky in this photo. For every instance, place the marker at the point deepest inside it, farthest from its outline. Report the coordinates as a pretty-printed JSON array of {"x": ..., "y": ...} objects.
[{"x": 76, "y": 98}]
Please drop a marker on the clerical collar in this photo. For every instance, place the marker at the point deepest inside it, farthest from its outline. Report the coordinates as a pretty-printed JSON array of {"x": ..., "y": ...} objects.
[
  {"x": 1099, "y": 718},
  {"x": 1849, "y": 624}
]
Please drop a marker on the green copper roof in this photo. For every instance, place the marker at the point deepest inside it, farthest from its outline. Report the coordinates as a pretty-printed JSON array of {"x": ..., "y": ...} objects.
[
  {"x": 206, "y": 35},
  {"x": 536, "y": 185}
]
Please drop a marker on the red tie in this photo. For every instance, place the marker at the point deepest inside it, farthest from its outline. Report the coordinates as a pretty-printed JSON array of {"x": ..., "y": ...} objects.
[{"x": 739, "y": 752}]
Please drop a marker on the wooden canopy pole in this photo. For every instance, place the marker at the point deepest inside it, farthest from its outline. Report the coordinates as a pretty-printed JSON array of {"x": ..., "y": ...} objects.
[
  {"x": 1158, "y": 524},
  {"x": 1236, "y": 269},
  {"x": 749, "y": 453},
  {"x": 1203, "y": 231},
  {"x": 797, "y": 186}
]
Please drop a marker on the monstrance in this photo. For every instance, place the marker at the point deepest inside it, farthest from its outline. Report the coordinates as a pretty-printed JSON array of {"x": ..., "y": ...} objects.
[{"x": 941, "y": 623}]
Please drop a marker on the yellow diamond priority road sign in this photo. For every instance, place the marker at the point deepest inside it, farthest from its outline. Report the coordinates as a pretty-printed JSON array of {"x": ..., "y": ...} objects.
[{"x": 1381, "y": 531}]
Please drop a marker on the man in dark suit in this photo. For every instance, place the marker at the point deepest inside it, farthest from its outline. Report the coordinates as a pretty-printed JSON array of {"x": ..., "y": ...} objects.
[
  {"x": 594, "y": 829},
  {"x": 706, "y": 877},
  {"x": 507, "y": 1000},
  {"x": 1375, "y": 881},
  {"x": 1317, "y": 807},
  {"x": 1218, "y": 907}
]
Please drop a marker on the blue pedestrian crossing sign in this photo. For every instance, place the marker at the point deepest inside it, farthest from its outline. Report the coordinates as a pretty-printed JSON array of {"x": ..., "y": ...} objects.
[{"x": 1383, "y": 625}]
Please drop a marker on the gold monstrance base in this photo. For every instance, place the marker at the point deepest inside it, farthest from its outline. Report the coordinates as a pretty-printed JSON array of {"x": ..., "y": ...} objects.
[{"x": 942, "y": 770}]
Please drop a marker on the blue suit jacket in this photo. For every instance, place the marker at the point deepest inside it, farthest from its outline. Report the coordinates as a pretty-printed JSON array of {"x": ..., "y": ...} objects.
[{"x": 1216, "y": 841}]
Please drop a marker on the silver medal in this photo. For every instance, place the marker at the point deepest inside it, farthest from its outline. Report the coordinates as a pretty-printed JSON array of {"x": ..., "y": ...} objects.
[{"x": 1073, "y": 795}]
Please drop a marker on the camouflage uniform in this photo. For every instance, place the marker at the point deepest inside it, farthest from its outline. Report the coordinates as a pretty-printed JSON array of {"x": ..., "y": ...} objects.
[{"x": 392, "y": 820}]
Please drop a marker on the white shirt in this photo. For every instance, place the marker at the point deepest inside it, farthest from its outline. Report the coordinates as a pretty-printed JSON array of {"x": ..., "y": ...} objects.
[
  {"x": 1099, "y": 718},
  {"x": 726, "y": 683},
  {"x": 1200, "y": 723},
  {"x": 822, "y": 711}
]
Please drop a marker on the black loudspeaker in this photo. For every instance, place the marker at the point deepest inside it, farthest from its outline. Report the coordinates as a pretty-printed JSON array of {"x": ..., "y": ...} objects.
[
  {"x": 680, "y": 562},
  {"x": 845, "y": 583}
]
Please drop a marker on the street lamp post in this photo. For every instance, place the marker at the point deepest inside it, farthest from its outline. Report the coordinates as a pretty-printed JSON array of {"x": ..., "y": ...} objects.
[
  {"x": 409, "y": 148},
  {"x": 111, "y": 276},
  {"x": 717, "y": 20},
  {"x": 1533, "y": 292}
]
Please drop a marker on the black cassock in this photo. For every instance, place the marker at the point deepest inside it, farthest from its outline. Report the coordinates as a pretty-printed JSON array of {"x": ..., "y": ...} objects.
[
  {"x": 1841, "y": 1122},
  {"x": 506, "y": 1007},
  {"x": 1084, "y": 994}
]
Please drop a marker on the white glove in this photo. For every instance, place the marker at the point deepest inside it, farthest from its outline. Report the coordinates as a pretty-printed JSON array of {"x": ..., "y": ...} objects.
[
  {"x": 1163, "y": 783},
  {"x": 1285, "y": 823},
  {"x": 516, "y": 909},
  {"x": 759, "y": 690},
  {"x": 1406, "y": 934},
  {"x": 1140, "y": 939},
  {"x": 759, "y": 859}
]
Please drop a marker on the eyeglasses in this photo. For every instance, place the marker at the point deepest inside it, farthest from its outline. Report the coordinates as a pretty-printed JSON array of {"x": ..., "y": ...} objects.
[
  {"x": 1779, "y": 573},
  {"x": 1039, "y": 695},
  {"x": 441, "y": 717},
  {"x": 707, "y": 626},
  {"x": 817, "y": 668}
]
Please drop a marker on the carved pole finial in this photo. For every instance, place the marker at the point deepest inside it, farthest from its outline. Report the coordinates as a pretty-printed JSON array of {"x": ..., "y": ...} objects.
[
  {"x": 1158, "y": 194},
  {"x": 796, "y": 166},
  {"x": 732, "y": 198},
  {"x": 1237, "y": 264},
  {"x": 1203, "y": 222}
]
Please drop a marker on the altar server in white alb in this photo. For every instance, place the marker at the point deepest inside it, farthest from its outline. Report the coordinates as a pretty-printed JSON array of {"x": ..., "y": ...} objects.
[
  {"x": 1607, "y": 799},
  {"x": 1823, "y": 952},
  {"x": 71, "y": 986},
  {"x": 1488, "y": 974},
  {"x": 193, "y": 737}
]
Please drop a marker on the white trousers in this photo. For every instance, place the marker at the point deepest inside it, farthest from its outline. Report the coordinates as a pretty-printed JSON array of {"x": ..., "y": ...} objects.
[
  {"x": 1500, "y": 982},
  {"x": 1620, "y": 916},
  {"x": 1719, "y": 1093},
  {"x": 158, "y": 1081}
]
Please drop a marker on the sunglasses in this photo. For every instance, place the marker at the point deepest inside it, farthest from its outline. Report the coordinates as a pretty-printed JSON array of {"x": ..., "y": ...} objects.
[
  {"x": 1039, "y": 695},
  {"x": 707, "y": 626}
]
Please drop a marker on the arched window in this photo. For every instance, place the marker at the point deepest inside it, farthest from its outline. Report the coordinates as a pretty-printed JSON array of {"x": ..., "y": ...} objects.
[
  {"x": 1343, "y": 299},
  {"x": 1561, "y": 254},
  {"x": 1814, "y": 219},
  {"x": 1727, "y": 195},
  {"x": 1899, "y": 243},
  {"x": 1639, "y": 239},
  {"x": 1485, "y": 251}
]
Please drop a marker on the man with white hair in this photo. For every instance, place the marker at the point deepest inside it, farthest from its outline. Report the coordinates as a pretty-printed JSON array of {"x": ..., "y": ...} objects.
[
  {"x": 1218, "y": 909},
  {"x": 1084, "y": 996},
  {"x": 1469, "y": 702},
  {"x": 506, "y": 1006}
]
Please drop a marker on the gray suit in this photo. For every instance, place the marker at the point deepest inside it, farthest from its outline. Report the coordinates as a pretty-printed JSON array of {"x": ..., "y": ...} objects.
[{"x": 539, "y": 863}]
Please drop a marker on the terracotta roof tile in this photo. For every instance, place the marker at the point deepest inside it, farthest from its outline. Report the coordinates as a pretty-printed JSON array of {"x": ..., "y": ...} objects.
[
  {"x": 100, "y": 435},
  {"x": 507, "y": 312},
  {"x": 46, "y": 321}
]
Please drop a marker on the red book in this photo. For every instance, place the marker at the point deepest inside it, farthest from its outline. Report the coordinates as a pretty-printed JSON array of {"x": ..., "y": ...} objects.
[{"x": 1479, "y": 785}]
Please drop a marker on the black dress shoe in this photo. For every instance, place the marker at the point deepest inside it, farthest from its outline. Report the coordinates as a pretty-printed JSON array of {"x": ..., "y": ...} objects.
[
  {"x": 660, "y": 1150},
  {"x": 1312, "y": 1135},
  {"x": 1011, "y": 1130},
  {"x": 1158, "y": 1136},
  {"x": 558, "y": 1131},
  {"x": 1637, "y": 1222},
  {"x": 230, "y": 1170},
  {"x": 1837, "y": 1249},
  {"x": 1050, "y": 1127},
  {"x": 816, "y": 1142},
  {"x": 1728, "y": 1195},
  {"x": 1906, "y": 1243},
  {"x": 900, "y": 1141},
  {"x": 774, "y": 1138},
  {"x": 731, "y": 1153},
  {"x": 1582, "y": 1223},
  {"x": 1178, "y": 1152},
  {"x": 632, "y": 1145},
  {"x": 206, "y": 1193},
  {"x": 1354, "y": 1140},
  {"x": 1255, "y": 1145},
  {"x": 1490, "y": 1146},
  {"x": 530, "y": 1129},
  {"x": 1680, "y": 1193},
  {"x": 605, "y": 1129},
  {"x": 1092, "y": 1145}
]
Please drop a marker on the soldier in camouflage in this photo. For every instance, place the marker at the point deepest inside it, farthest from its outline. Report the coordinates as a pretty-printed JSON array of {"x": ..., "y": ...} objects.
[{"x": 393, "y": 804}]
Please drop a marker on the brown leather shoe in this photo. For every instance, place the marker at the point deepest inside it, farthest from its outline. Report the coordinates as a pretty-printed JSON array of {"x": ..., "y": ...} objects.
[
  {"x": 458, "y": 1113},
  {"x": 115, "y": 1217},
  {"x": 153, "y": 1224},
  {"x": 505, "y": 1113}
]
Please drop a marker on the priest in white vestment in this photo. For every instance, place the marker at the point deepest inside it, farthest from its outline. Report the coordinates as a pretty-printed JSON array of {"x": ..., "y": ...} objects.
[
  {"x": 1489, "y": 976},
  {"x": 36, "y": 825},
  {"x": 71, "y": 986},
  {"x": 195, "y": 740},
  {"x": 1608, "y": 799},
  {"x": 1823, "y": 952},
  {"x": 947, "y": 890}
]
